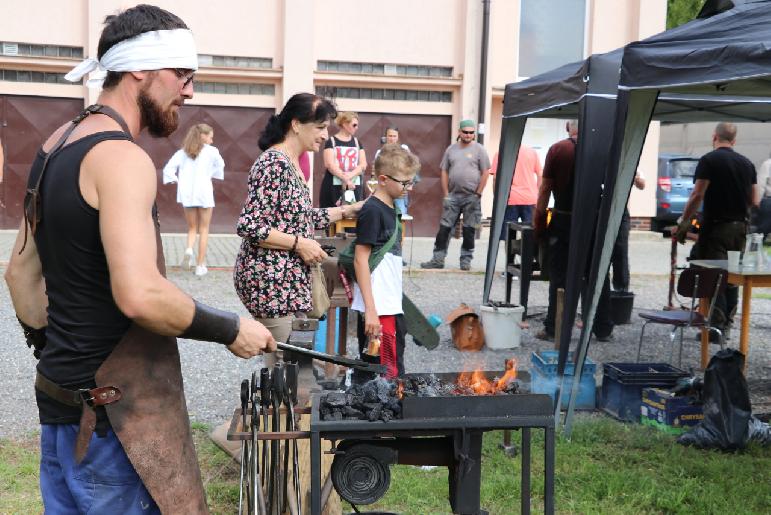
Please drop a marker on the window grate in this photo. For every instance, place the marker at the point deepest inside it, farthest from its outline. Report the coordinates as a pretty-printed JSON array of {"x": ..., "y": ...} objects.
[
  {"x": 410, "y": 95},
  {"x": 32, "y": 76},
  {"x": 235, "y": 88},
  {"x": 233, "y": 61},
  {"x": 385, "y": 69},
  {"x": 12, "y": 48}
]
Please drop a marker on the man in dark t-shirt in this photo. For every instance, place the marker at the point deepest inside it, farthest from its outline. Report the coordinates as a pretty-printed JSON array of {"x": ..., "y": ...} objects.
[
  {"x": 558, "y": 179},
  {"x": 726, "y": 183}
]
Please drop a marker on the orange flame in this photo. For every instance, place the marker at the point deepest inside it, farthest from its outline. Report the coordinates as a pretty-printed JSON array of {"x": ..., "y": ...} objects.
[
  {"x": 477, "y": 382},
  {"x": 399, "y": 390}
]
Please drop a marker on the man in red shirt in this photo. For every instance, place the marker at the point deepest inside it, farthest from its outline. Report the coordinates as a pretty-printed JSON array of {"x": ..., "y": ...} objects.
[{"x": 524, "y": 187}]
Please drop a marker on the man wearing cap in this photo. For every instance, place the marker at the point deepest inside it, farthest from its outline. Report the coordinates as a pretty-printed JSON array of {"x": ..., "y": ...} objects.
[
  {"x": 86, "y": 277},
  {"x": 464, "y": 170}
]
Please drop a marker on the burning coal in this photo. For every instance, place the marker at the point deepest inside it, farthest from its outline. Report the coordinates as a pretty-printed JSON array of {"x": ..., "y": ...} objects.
[{"x": 381, "y": 399}]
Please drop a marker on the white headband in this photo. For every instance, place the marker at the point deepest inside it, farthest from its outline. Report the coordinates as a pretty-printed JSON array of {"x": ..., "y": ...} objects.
[{"x": 148, "y": 51}]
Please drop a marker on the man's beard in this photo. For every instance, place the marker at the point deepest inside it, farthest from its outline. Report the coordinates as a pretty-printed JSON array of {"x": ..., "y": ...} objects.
[{"x": 159, "y": 123}]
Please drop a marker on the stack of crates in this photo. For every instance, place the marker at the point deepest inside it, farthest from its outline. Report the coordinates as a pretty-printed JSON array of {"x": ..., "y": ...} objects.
[
  {"x": 543, "y": 379},
  {"x": 622, "y": 385}
]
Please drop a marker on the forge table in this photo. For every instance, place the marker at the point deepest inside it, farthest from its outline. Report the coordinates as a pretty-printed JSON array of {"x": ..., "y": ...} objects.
[
  {"x": 747, "y": 278},
  {"x": 440, "y": 441}
]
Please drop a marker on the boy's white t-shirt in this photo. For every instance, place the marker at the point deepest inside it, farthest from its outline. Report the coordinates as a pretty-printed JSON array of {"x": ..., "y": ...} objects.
[{"x": 374, "y": 226}]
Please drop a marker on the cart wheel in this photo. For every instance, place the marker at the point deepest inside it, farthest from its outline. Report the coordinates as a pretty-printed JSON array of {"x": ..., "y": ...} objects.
[{"x": 359, "y": 477}]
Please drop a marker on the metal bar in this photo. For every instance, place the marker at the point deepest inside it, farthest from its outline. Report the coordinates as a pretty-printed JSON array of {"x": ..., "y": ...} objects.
[
  {"x": 548, "y": 483},
  {"x": 338, "y": 360},
  {"x": 315, "y": 473},
  {"x": 525, "y": 482}
]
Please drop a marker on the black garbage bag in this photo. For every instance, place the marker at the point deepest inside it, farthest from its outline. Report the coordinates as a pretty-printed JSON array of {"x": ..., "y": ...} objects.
[{"x": 727, "y": 408}]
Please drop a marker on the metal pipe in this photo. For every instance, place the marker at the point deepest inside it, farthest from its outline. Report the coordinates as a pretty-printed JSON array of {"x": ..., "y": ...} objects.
[{"x": 483, "y": 69}]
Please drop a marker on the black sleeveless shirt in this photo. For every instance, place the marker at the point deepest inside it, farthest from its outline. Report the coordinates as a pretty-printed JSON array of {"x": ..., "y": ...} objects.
[{"x": 84, "y": 323}]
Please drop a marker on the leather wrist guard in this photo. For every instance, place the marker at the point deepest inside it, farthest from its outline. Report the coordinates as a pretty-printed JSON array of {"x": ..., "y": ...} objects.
[
  {"x": 36, "y": 338},
  {"x": 212, "y": 325}
]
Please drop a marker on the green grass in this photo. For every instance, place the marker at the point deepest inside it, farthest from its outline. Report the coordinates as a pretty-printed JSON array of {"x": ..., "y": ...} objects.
[{"x": 608, "y": 467}]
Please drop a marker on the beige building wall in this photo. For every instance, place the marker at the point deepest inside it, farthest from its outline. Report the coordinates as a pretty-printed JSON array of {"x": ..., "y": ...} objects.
[{"x": 296, "y": 34}]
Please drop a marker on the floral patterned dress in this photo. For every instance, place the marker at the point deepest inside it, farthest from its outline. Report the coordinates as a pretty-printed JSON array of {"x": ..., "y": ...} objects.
[{"x": 275, "y": 283}]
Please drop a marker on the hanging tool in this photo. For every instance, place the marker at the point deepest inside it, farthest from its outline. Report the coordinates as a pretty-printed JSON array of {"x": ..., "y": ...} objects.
[
  {"x": 265, "y": 404},
  {"x": 277, "y": 384},
  {"x": 244, "y": 451},
  {"x": 292, "y": 373},
  {"x": 256, "y": 482}
]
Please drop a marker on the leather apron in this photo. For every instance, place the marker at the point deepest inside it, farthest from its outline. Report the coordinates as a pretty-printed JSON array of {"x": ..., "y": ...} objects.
[{"x": 151, "y": 419}]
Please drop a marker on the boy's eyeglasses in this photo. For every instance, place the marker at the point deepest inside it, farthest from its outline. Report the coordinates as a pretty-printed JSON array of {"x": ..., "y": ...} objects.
[
  {"x": 471, "y": 133},
  {"x": 405, "y": 184},
  {"x": 187, "y": 75}
]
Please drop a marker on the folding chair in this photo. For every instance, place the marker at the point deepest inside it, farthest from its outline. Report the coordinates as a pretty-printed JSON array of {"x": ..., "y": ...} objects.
[{"x": 697, "y": 283}]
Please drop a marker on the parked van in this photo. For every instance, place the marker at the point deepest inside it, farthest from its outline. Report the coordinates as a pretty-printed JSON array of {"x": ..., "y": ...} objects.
[{"x": 673, "y": 187}]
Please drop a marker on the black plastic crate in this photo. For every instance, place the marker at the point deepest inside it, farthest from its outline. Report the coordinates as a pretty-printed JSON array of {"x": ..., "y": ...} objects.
[{"x": 622, "y": 385}]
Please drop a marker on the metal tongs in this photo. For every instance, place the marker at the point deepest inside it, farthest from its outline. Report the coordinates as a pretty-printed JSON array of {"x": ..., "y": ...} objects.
[{"x": 302, "y": 326}]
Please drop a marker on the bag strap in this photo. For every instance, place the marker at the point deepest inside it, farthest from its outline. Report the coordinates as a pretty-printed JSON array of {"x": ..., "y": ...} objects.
[
  {"x": 377, "y": 257},
  {"x": 32, "y": 211}
]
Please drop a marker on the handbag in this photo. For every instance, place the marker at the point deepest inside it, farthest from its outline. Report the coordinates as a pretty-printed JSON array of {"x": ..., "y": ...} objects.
[{"x": 319, "y": 295}]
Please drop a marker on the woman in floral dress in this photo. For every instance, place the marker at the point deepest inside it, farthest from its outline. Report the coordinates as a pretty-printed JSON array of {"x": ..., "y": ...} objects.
[{"x": 272, "y": 272}]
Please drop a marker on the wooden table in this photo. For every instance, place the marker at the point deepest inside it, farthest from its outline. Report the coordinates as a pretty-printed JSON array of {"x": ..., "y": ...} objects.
[
  {"x": 350, "y": 223},
  {"x": 747, "y": 279}
]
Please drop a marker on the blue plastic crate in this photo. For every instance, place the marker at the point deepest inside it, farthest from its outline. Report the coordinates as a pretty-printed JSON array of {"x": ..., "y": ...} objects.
[
  {"x": 587, "y": 388},
  {"x": 622, "y": 385},
  {"x": 546, "y": 362}
]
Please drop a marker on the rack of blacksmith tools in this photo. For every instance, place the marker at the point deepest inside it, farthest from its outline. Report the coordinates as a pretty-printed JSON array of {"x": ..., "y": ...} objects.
[
  {"x": 269, "y": 416},
  {"x": 265, "y": 486},
  {"x": 433, "y": 430}
]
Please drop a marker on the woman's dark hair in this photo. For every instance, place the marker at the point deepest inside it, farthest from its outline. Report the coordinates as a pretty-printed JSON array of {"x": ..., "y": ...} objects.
[
  {"x": 131, "y": 23},
  {"x": 391, "y": 128},
  {"x": 303, "y": 107}
]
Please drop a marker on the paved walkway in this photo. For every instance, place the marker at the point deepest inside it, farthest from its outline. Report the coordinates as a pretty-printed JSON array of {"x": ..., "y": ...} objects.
[{"x": 648, "y": 252}]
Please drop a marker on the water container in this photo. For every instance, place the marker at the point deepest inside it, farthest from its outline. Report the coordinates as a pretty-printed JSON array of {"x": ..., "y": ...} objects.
[{"x": 501, "y": 325}]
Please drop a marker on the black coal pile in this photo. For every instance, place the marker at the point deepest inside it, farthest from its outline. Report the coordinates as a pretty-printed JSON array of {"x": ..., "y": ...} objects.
[
  {"x": 374, "y": 400},
  {"x": 380, "y": 399}
]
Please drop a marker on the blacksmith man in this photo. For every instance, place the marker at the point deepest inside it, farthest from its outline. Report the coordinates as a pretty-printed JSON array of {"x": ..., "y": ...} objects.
[{"x": 87, "y": 281}]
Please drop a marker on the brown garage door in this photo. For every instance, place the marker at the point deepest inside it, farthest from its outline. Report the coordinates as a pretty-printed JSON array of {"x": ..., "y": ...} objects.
[
  {"x": 26, "y": 123},
  {"x": 427, "y": 136},
  {"x": 236, "y": 131}
]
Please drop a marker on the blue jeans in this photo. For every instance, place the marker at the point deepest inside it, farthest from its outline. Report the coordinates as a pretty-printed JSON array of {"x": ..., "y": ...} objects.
[
  {"x": 104, "y": 482},
  {"x": 521, "y": 213},
  {"x": 402, "y": 203}
]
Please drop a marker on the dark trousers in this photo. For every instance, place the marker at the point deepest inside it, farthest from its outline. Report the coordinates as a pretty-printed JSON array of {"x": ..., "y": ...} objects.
[
  {"x": 456, "y": 204},
  {"x": 619, "y": 261},
  {"x": 519, "y": 213},
  {"x": 715, "y": 240},
  {"x": 330, "y": 194},
  {"x": 559, "y": 250}
]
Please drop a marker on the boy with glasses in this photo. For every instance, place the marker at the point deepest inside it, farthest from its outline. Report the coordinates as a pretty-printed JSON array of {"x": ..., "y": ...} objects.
[
  {"x": 465, "y": 167},
  {"x": 377, "y": 294}
]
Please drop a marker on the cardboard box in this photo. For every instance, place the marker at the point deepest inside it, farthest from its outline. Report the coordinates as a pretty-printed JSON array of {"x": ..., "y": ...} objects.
[{"x": 670, "y": 413}]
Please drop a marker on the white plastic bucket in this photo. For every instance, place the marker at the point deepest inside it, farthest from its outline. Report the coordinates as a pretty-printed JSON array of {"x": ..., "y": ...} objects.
[{"x": 501, "y": 324}]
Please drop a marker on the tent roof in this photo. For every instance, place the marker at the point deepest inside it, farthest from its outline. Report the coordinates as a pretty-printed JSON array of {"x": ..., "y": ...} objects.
[{"x": 726, "y": 55}]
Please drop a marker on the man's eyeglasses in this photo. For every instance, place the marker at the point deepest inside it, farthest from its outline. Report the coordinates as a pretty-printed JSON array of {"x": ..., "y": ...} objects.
[
  {"x": 187, "y": 75},
  {"x": 470, "y": 133},
  {"x": 405, "y": 184}
]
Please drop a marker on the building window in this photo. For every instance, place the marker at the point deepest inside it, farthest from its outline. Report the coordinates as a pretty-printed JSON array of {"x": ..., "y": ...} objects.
[
  {"x": 234, "y": 88},
  {"x": 232, "y": 61},
  {"x": 385, "y": 69},
  {"x": 30, "y": 76},
  {"x": 410, "y": 95},
  {"x": 26, "y": 49},
  {"x": 551, "y": 33}
]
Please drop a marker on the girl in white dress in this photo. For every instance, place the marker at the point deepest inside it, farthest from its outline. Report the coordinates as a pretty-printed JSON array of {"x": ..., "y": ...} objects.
[{"x": 192, "y": 168}]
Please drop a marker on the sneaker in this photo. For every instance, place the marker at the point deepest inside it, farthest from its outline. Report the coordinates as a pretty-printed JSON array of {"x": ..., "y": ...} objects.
[
  {"x": 465, "y": 266},
  {"x": 187, "y": 260},
  {"x": 432, "y": 264},
  {"x": 604, "y": 338},
  {"x": 406, "y": 217},
  {"x": 201, "y": 270},
  {"x": 544, "y": 335}
]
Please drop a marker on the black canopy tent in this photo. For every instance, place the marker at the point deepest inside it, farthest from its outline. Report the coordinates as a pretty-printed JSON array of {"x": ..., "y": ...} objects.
[
  {"x": 717, "y": 69},
  {"x": 694, "y": 65}
]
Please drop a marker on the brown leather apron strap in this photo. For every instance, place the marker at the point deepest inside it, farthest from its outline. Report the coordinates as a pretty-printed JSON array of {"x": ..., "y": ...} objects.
[{"x": 91, "y": 397}]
